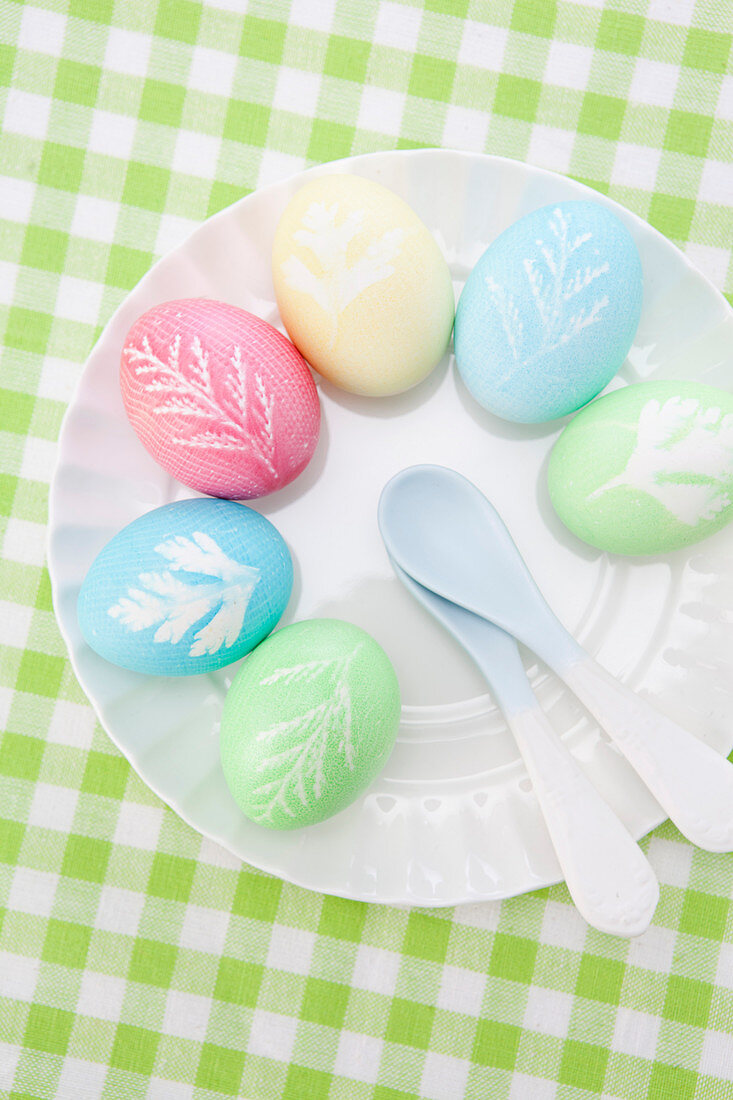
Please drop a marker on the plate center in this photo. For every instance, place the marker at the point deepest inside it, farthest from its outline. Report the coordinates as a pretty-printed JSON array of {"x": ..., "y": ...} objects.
[{"x": 329, "y": 519}]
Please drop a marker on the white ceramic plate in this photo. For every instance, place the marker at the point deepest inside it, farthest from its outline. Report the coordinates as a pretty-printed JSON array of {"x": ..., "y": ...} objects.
[{"x": 453, "y": 817}]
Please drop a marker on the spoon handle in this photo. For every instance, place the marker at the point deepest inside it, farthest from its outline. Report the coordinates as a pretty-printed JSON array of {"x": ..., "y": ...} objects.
[
  {"x": 692, "y": 782},
  {"x": 607, "y": 874}
]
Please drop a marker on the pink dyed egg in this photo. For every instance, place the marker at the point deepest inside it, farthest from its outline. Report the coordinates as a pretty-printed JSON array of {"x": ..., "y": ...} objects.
[{"x": 221, "y": 399}]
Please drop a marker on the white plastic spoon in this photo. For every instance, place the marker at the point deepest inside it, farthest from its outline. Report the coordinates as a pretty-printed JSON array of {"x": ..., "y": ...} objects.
[
  {"x": 445, "y": 534},
  {"x": 607, "y": 874}
]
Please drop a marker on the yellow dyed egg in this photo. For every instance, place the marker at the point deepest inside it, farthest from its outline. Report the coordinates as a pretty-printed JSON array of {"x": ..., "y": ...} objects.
[{"x": 362, "y": 287}]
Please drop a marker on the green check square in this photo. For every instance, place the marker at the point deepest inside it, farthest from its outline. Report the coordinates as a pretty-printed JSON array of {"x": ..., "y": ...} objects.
[
  {"x": 620, "y": 32},
  {"x": 48, "y": 1029},
  {"x": 688, "y": 132},
  {"x": 671, "y": 215},
  {"x": 324, "y": 1002},
  {"x": 76, "y": 82},
  {"x": 238, "y": 982},
  {"x": 8, "y": 485},
  {"x": 671, "y": 1083},
  {"x": 342, "y": 919},
  {"x": 600, "y": 979},
  {"x": 257, "y": 896},
  {"x": 43, "y": 600},
  {"x": 7, "y": 61},
  {"x": 20, "y": 756},
  {"x": 427, "y": 937},
  {"x": 105, "y": 774},
  {"x": 28, "y": 330},
  {"x": 126, "y": 266},
  {"x": 66, "y": 943},
  {"x": 302, "y": 1082},
  {"x": 16, "y": 409},
  {"x": 704, "y": 915},
  {"x": 346, "y": 58},
  {"x": 220, "y": 1069},
  {"x": 171, "y": 877},
  {"x": 410, "y": 1023},
  {"x": 178, "y": 19},
  {"x": 687, "y": 1001},
  {"x": 146, "y": 185},
  {"x": 456, "y": 8},
  {"x": 98, "y": 11},
  {"x": 223, "y": 194},
  {"x": 534, "y": 17},
  {"x": 330, "y": 140},
  {"x": 134, "y": 1049},
  {"x": 44, "y": 248},
  {"x": 152, "y": 962},
  {"x": 583, "y": 1065},
  {"x": 86, "y": 858},
  {"x": 246, "y": 122},
  {"x": 162, "y": 102},
  {"x": 512, "y": 957},
  {"x": 496, "y": 1044},
  {"x": 40, "y": 674},
  {"x": 262, "y": 39},
  {"x": 601, "y": 115},
  {"x": 11, "y": 838},
  {"x": 517, "y": 97},
  {"x": 431, "y": 78},
  {"x": 61, "y": 166},
  {"x": 707, "y": 50}
]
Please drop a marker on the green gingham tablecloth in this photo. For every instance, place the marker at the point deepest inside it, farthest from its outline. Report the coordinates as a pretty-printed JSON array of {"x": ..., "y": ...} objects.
[{"x": 136, "y": 959}]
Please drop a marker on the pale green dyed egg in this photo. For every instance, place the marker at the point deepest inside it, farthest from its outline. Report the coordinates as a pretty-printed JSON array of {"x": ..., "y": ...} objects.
[
  {"x": 308, "y": 722},
  {"x": 646, "y": 469}
]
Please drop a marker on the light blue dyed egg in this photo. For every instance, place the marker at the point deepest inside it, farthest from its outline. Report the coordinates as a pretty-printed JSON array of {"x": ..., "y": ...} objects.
[
  {"x": 549, "y": 312},
  {"x": 187, "y": 588}
]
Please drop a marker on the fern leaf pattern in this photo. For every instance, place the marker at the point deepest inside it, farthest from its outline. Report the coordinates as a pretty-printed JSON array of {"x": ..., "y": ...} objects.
[
  {"x": 183, "y": 387},
  {"x": 293, "y": 771},
  {"x": 557, "y": 277},
  {"x": 682, "y": 457},
  {"x": 167, "y": 601},
  {"x": 339, "y": 282}
]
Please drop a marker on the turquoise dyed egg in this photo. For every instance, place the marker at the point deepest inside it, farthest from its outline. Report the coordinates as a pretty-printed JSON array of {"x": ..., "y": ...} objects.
[
  {"x": 187, "y": 588},
  {"x": 308, "y": 722},
  {"x": 549, "y": 312},
  {"x": 646, "y": 469}
]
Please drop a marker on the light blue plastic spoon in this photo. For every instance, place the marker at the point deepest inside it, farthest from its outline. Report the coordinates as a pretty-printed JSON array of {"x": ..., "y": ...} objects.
[
  {"x": 446, "y": 535},
  {"x": 607, "y": 874}
]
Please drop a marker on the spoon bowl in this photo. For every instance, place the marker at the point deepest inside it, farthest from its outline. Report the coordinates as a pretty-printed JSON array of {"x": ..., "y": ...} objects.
[{"x": 444, "y": 533}]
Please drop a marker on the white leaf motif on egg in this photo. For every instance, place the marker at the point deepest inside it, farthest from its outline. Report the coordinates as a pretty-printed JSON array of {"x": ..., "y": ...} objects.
[
  {"x": 557, "y": 278},
  {"x": 167, "y": 601},
  {"x": 340, "y": 283},
  {"x": 182, "y": 385},
  {"x": 682, "y": 457},
  {"x": 296, "y": 768}
]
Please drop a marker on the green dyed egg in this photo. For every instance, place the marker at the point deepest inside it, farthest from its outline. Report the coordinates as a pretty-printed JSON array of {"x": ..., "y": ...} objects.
[
  {"x": 646, "y": 469},
  {"x": 308, "y": 722}
]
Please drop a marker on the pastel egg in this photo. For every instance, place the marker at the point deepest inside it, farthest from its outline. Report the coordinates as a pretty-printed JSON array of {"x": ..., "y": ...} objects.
[
  {"x": 308, "y": 722},
  {"x": 361, "y": 285},
  {"x": 221, "y": 399},
  {"x": 646, "y": 469},
  {"x": 548, "y": 314},
  {"x": 187, "y": 588}
]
